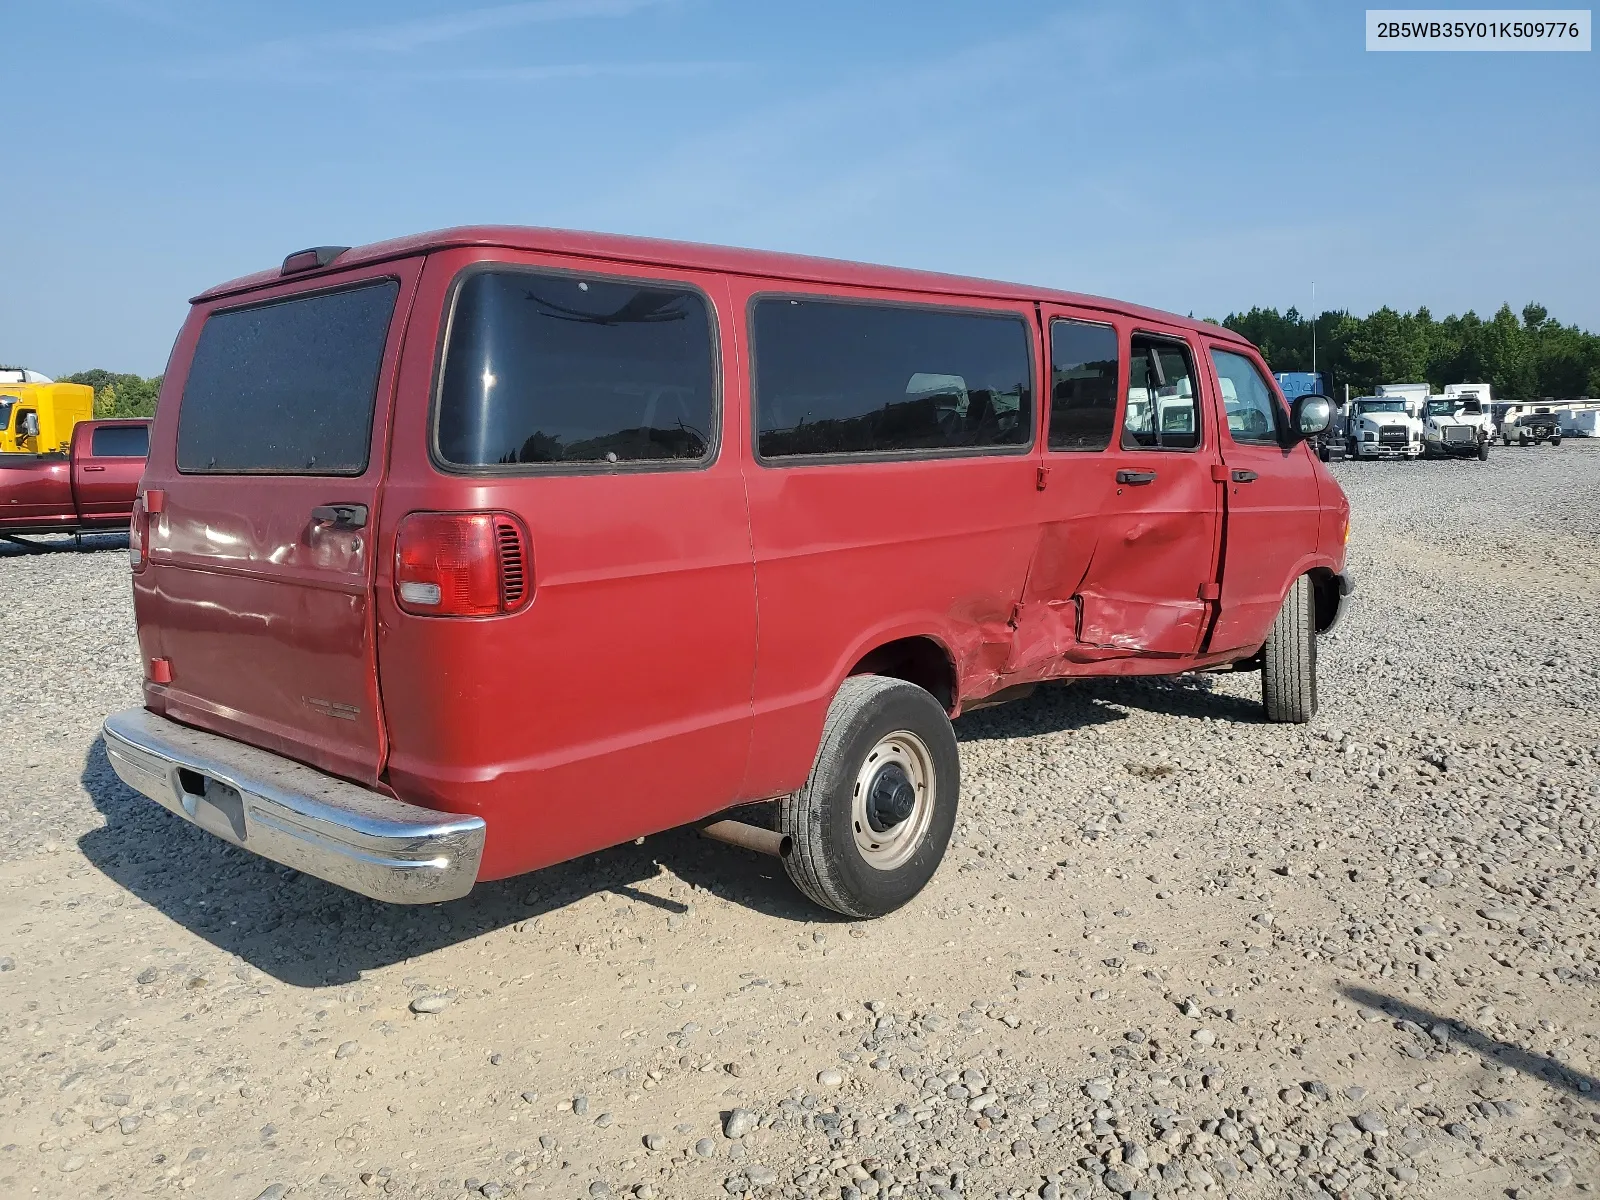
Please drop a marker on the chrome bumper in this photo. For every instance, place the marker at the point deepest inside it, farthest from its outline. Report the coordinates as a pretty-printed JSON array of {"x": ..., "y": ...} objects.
[{"x": 296, "y": 815}]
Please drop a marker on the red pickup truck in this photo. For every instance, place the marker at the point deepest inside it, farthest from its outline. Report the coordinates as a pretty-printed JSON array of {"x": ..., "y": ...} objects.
[
  {"x": 469, "y": 553},
  {"x": 90, "y": 488}
]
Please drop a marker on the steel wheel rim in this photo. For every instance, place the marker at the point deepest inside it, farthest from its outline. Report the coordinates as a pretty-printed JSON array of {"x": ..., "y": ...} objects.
[{"x": 889, "y": 848}]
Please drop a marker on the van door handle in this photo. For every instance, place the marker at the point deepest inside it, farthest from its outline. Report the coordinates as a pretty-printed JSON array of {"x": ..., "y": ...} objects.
[
  {"x": 1242, "y": 476},
  {"x": 1136, "y": 476},
  {"x": 93, "y": 468},
  {"x": 339, "y": 516}
]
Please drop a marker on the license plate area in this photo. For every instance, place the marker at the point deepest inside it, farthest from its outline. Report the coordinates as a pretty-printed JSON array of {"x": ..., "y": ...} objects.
[{"x": 216, "y": 807}]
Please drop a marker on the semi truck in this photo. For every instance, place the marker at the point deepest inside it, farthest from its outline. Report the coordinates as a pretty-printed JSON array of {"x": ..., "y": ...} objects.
[{"x": 37, "y": 414}]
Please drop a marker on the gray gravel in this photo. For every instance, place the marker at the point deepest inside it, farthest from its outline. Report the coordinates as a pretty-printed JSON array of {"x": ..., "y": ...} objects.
[{"x": 1174, "y": 951}]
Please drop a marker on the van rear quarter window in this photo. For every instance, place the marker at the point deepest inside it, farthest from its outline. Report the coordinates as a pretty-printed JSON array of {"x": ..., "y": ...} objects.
[
  {"x": 561, "y": 369},
  {"x": 121, "y": 441},
  {"x": 838, "y": 377},
  {"x": 287, "y": 387}
]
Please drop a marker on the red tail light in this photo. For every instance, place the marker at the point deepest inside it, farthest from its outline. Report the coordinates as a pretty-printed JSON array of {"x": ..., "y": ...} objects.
[
  {"x": 460, "y": 564},
  {"x": 139, "y": 536}
]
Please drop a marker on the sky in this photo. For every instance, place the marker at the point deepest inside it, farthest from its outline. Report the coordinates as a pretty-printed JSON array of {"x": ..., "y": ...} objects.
[{"x": 1201, "y": 158}]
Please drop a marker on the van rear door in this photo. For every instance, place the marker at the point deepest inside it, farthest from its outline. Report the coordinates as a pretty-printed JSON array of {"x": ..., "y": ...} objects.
[{"x": 254, "y": 601}]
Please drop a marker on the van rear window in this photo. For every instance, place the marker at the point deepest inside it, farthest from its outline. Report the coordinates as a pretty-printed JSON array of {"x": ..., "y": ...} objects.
[
  {"x": 562, "y": 369},
  {"x": 286, "y": 388},
  {"x": 121, "y": 441},
  {"x": 837, "y": 377}
]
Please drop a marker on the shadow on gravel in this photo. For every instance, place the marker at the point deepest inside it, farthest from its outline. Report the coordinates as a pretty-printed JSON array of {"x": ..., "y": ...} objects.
[
  {"x": 308, "y": 933},
  {"x": 1538, "y": 1066},
  {"x": 26, "y": 546},
  {"x": 1059, "y": 707}
]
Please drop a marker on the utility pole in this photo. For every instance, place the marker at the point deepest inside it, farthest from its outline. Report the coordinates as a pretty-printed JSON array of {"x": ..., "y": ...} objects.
[{"x": 1313, "y": 327}]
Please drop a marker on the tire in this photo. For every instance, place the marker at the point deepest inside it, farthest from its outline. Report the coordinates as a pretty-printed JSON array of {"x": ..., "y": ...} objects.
[
  {"x": 1522, "y": 439},
  {"x": 1483, "y": 450},
  {"x": 1505, "y": 439},
  {"x": 1555, "y": 441},
  {"x": 1322, "y": 451},
  {"x": 1289, "y": 658},
  {"x": 876, "y": 726}
]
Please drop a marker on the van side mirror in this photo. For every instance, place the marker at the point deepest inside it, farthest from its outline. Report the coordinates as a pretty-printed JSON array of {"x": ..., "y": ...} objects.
[
  {"x": 1310, "y": 415},
  {"x": 28, "y": 426}
]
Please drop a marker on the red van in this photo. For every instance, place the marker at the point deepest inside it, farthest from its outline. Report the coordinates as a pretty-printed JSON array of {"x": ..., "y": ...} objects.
[{"x": 464, "y": 554}]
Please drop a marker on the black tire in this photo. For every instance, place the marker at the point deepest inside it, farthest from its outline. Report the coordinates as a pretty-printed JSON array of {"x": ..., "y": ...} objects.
[
  {"x": 1289, "y": 658},
  {"x": 1555, "y": 441},
  {"x": 1522, "y": 439},
  {"x": 1322, "y": 451},
  {"x": 1505, "y": 439},
  {"x": 829, "y": 862},
  {"x": 1483, "y": 450}
]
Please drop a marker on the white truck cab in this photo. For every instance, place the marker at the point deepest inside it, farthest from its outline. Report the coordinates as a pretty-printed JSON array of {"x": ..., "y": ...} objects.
[
  {"x": 1382, "y": 427},
  {"x": 1456, "y": 427}
]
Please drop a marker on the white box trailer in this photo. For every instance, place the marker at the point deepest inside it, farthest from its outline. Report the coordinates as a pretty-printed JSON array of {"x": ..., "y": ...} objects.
[
  {"x": 1415, "y": 395},
  {"x": 1483, "y": 391},
  {"x": 1581, "y": 419}
]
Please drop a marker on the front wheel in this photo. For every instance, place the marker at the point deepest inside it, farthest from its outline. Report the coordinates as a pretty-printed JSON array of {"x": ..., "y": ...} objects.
[
  {"x": 871, "y": 824},
  {"x": 1555, "y": 441},
  {"x": 1289, "y": 658},
  {"x": 1483, "y": 451}
]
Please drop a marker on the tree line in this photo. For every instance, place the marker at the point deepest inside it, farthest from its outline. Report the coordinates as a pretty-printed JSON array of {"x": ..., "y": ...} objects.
[
  {"x": 120, "y": 395},
  {"x": 1530, "y": 358}
]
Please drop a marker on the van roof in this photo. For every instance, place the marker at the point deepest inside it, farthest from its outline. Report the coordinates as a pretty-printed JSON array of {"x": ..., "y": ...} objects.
[{"x": 701, "y": 257}]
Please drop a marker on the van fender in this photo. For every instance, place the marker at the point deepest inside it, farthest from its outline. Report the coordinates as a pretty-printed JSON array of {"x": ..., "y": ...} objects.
[
  {"x": 1330, "y": 584},
  {"x": 788, "y": 727},
  {"x": 957, "y": 647}
]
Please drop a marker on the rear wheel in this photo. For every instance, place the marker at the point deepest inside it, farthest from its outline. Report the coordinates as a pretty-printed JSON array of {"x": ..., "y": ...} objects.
[
  {"x": 1289, "y": 658},
  {"x": 1522, "y": 439},
  {"x": 1555, "y": 441},
  {"x": 873, "y": 820}
]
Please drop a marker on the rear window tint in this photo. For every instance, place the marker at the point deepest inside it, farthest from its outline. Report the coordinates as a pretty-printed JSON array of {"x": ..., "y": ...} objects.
[
  {"x": 286, "y": 388},
  {"x": 562, "y": 369},
  {"x": 121, "y": 441},
  {"x": 842, "y": 378}
]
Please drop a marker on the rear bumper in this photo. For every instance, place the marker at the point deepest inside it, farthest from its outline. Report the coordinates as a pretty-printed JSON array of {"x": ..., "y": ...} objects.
[{"x": 295, "y": 815}]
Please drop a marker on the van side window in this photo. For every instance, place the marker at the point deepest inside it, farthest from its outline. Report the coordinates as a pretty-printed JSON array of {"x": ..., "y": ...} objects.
[
  {"x": 835, "y": 377},
  {"x": 1083, "y": 385},
  {"x": 1163, "y": 412},
  {"x": 563, "y": 369},
  {"x": 1253, "y": 416},
  {"x": 121, "y": 441}
]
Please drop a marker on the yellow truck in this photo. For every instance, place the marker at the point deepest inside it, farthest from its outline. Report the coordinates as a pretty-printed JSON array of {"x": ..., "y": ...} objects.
[{"x": 37, "y": 414}]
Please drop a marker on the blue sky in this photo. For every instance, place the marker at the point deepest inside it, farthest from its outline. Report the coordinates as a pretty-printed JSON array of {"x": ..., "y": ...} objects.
[{"x": 1197, "y": 157}]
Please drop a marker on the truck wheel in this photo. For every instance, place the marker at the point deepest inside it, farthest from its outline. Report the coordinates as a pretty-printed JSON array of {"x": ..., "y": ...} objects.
[
  {"x": 1289, "y": 659},
  {"x": 1483, "y": 450},
  {"x": 1556, "y": 441},
  {"x": 1505, "y": 439},
  {"x": 1322, "y": 451},
  {"x": 1522, "y": 439},
  {"x": 873, "y": 820}
]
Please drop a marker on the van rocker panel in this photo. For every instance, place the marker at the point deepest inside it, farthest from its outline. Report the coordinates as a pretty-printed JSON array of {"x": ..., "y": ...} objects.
[{"x": 292, "y": 814}]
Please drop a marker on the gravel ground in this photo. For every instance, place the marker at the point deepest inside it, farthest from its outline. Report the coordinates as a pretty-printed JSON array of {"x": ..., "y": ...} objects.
[{"x": 1174, "y": 951}]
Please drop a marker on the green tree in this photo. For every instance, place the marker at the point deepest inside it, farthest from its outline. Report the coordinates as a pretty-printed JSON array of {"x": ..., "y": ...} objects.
[{"x": 120, "y": 395}]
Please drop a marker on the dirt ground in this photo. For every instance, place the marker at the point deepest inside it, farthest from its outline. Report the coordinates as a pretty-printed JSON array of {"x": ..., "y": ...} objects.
[{"x": 1173, "y": 950}]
